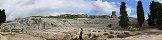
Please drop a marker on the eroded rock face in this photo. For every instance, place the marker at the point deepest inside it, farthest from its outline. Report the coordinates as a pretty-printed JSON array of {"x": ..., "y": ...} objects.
[
  {"x": 12, "y": 26},
  {"x": 61, "y": 29},
  {"x": 37, "y": 23},
  {"x": 72, "y": 33}
]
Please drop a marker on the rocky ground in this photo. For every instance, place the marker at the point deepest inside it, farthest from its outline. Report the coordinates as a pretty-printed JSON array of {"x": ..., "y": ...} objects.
[
  {"x": 88, "y": 34},
  {"x": 18, "y": 36},
  {"x": 69, "y": 29}
]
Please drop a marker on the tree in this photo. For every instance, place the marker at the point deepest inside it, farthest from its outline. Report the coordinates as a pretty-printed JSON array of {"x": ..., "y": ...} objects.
[
  {"x": 152, "y": 17},
  {"x": 159, "y": 15},
  {"x": 2, "y": 16},
  {"x": 140, "y": 14},
  {"x": 123, "y": 18},
  {"x": 150, "y": 21},
  {"x": 155, "y": 17}
]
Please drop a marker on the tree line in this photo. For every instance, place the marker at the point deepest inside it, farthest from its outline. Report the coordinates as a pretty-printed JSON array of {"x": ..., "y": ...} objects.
[{"x": 155, "y": 15}]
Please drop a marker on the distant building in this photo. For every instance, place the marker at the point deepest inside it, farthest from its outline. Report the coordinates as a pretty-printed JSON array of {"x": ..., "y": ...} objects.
[{"x": 113, "y": 14}]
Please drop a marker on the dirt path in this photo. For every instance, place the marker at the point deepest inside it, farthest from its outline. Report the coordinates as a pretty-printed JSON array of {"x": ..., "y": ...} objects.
[
  {"x": 149, "y": 34},
  {"x": 18, "y": 36},
  {"x": 3, "y": 37},
  {"x": 157, "y": 33}
]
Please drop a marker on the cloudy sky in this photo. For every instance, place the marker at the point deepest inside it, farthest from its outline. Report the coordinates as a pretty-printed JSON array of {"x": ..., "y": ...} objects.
[{"x": 24, "y": 8}]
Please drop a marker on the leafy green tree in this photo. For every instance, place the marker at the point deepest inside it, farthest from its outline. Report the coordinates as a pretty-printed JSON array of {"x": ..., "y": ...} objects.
[
  {"x": 140, "y": 14},
  {"x": 124, "y": 16}
]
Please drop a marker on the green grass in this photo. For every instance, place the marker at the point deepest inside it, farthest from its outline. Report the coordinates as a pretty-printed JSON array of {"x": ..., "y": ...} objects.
[
  {"x": 66, "y": 17},
  {"x": 36, "y": 16},
  {"x": 62, "y": 17}
]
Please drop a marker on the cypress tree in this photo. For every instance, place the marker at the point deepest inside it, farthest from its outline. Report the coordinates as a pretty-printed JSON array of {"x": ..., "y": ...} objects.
[
  {"x": 140, "y": 13},
  {"x": 159, "y": 15},
  {"x": 150, "y": 21},
  {"x": 155, "y": 17},
  {"x": 152, "y": 17},
  {"x": 2, "y": 16},
  {"x": 124, "y": 16}
]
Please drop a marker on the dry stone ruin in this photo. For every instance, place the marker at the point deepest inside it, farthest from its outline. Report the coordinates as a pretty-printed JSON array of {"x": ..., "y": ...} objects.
[{"x": 69, "y": 29}]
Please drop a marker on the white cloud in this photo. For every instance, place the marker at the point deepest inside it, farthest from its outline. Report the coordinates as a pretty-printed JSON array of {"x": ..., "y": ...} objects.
[
  {"x": 159, "y": 1},
  {"x": 104, "y": 7},
  {"x": 25, "y": 8},
  {"x": 129, "y": 10}
]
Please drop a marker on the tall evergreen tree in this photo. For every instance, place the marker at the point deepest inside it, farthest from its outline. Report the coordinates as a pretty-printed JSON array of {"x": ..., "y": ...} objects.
[
  {"x": 155, "y": 17},
  {"x": 2, "y": 16},
  {"x": 140, "y": 13},
  {"x": 150, "y": 21},
  {"x": 152, "y": 17},
  {"x": 124, "y": 16},
  {"x": 159, "y": 15}
]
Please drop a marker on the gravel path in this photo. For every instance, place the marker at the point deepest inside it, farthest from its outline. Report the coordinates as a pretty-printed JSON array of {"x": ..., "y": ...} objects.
[
  {"x": 149, "y": 34},
  {"x": 18, "y": 36}
]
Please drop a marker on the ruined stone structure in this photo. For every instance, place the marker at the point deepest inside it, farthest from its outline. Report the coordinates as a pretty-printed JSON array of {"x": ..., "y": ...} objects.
[
  {"x": 67, "y": 29},
  {"x": 113, "y": 14},
  {"x": 37, "y": 23}
]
